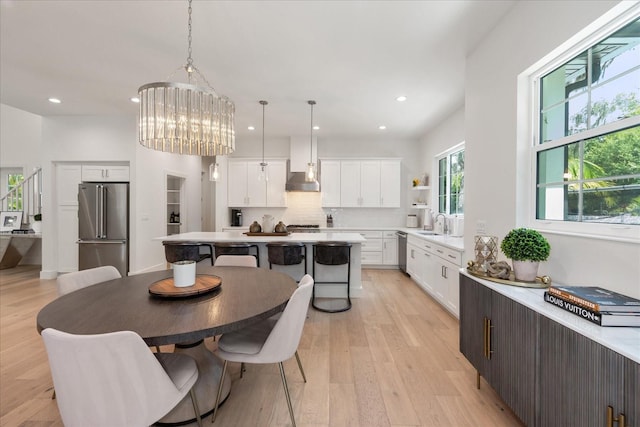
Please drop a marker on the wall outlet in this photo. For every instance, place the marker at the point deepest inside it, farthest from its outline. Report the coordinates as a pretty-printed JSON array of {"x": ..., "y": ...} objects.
[{"x": 481, "y": 227}]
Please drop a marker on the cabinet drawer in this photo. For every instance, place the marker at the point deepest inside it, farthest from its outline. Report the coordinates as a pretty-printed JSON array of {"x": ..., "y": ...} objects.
[
  {"x": 372, "y": 245},
  {"x": 370, "y": 234},
  {"x": 390, "y": 234},
  {"x": 447, "y": 254},
  {"x": 371, "y": 258}
]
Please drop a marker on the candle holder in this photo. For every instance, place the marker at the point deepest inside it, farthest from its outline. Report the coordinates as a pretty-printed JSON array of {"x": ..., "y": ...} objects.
[{"x": 486, "y": 250}]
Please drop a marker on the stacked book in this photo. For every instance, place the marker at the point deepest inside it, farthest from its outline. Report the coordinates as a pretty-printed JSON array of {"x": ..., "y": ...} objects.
[{"x": 598, "y": 305}]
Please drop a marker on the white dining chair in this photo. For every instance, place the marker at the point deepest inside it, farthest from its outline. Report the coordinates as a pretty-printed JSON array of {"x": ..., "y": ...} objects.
[
  {"x": 114, "y": 380},
  {"x": 70, "y": 282},
  {"x": 269, "y": 341},
  {"x": 76, "y": 280},
  {"x": 236, "y": 261}
]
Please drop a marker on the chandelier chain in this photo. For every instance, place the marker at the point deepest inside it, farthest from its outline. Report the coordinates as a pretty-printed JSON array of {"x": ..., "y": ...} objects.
[{"x": 189, "y": 59}]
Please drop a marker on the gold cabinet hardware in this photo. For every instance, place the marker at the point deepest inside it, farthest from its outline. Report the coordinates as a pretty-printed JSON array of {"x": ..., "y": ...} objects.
[
  {"x": 610, "y": 420},
  {"x": 487, "y": 338}
]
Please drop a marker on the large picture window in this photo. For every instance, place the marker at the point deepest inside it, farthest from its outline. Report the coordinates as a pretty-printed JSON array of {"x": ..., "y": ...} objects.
[
  {"x": 588, "y": 151},
  {"x": 451, "y": 181}
]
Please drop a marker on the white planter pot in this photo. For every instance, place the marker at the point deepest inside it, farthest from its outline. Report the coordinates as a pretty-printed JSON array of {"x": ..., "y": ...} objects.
[
  {"x": 525, "y": 271},
  {"x": 36, "y": 226}
]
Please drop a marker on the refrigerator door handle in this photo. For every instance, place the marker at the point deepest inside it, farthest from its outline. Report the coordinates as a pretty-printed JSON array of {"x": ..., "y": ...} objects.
[
  {"x": 101, "y": 213},
  {"x": 101, "y": 241}
]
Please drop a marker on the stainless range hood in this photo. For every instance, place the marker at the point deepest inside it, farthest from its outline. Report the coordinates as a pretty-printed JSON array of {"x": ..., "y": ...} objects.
[
  {"x": 298, "y": 160},
  {"x": 298, "y": 182}
]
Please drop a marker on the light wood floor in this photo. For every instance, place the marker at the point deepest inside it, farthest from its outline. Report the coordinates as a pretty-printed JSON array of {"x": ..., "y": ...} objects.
[{"x": 392, "y": 360}]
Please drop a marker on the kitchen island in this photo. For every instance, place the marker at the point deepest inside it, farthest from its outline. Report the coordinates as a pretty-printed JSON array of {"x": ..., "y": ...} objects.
[{"x": 328, "y": 273}]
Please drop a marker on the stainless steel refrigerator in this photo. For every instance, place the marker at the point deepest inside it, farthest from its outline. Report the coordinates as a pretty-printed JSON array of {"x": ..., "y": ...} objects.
[{"x": 103, "y": 225}]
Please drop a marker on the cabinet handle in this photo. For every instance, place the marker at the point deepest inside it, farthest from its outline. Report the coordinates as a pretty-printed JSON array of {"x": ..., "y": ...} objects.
[
  {"x": 106, "y": 171},
  {"x": 610, "y": 420},
  {"x": 444, "y": 269},
  {"x": 439, "y": 251},
  {"x": 451, "y": 256},
  {"x": 487, "y": 338}
]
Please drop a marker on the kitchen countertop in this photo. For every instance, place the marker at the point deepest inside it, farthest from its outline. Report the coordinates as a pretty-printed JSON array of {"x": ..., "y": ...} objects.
[
  {"x": 238, "y": 236},
  {"x": 455, "y": 243}
]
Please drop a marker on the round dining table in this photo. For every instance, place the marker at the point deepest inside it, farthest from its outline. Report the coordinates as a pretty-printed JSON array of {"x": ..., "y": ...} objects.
[{"x": 245, "y": 296}]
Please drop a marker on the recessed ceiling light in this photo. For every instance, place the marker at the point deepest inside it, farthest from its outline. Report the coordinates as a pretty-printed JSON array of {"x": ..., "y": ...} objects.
[
  {"x": 382, "y": 127},
  {"x": 251, "y": 128},
  {"x": 54, "y": 100},
  {"x": 401, "y": 98},
  {"x": 135, "y": 99},
  {"x": 316, "y": 128}
]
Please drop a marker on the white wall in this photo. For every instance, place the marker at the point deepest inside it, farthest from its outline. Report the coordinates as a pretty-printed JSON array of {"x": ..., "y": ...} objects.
[
  {"x": 531, "y": 30},
  {"x": 20, "y": 139}
]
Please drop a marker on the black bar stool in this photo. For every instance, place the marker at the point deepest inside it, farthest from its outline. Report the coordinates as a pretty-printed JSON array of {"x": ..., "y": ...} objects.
[
  {"x": 186, "y": 251},
  {"x": 236, "y": 248},
  {"x": 287, "y": 253},
  {"x": 332, "y": 253}
]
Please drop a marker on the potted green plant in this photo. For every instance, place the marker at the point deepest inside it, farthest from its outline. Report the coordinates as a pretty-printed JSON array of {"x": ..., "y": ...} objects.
[
  {"x": 526, "y": 248},
  {"x": 36, "y": 225}
]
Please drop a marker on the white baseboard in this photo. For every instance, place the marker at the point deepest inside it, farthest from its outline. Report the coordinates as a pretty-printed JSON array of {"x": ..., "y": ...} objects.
[{"x": 48, "y": 274}]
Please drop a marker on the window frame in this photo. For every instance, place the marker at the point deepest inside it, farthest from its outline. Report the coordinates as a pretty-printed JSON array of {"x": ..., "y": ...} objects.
[
  {"x": 529, "y": 84},
  {"x": 436, "y": 193}
]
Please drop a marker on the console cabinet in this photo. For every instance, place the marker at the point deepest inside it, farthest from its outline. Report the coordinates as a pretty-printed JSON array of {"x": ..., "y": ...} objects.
[
  {"x": 548, "y": 374},
  {"x": 498, "y": 337}
]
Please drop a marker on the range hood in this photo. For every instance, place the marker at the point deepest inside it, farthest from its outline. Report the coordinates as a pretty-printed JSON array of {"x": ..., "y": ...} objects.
[
  {"x": 298, "y": 182},
  {"x": 298, "y": 160}
]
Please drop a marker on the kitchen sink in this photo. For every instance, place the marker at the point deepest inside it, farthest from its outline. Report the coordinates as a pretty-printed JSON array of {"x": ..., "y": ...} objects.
[{"x": 427, "y": 233}]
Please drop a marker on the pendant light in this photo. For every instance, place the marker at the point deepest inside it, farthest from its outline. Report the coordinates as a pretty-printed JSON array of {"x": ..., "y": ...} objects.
[
  {"x": 214, "y": 173},
  {"x": 186, "y": 118},
  {"x": 263, "y": 174},
  {"x": 310, "y": 175}
]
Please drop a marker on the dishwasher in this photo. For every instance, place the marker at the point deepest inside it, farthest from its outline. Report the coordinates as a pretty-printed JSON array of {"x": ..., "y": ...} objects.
[{"x": 402, "y": 251}]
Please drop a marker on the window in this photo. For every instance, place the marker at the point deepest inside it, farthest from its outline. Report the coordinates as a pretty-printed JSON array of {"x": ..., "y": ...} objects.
[
  {"x": 14, "y": 200},
  {"x": 451, "y": 181},
  {"x": 588, "y": 151}
]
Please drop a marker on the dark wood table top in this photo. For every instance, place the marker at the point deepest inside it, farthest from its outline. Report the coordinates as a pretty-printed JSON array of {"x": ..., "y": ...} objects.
[{"x": 246, "y": 296}]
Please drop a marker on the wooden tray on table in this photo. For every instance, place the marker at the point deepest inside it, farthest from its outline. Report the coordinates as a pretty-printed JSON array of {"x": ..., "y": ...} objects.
[{"x": 204, "y": 283}]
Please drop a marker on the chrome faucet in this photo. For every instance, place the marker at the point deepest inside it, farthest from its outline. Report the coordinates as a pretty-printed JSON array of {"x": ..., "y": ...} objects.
[{"x": 445, "y": 229}]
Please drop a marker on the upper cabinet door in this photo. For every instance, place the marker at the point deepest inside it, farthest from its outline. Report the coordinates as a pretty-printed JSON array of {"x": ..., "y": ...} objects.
[
  {"x": 237, "y": 184},
  {"x": 350, "y": 183},
  {"x": 370, "y": 184},
  {"x": 256, "y": 189},
  {"x": 276, "y": 194},
  {"x": 105, "y": 173},
  {"x": 390, "y": 183},
  {"x": 330, "y": 183}
]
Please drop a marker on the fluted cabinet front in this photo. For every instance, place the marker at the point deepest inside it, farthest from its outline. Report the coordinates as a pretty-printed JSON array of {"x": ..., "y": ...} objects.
[
  {"x": 579, "y": 380},
  {"x": 498, "y": 337}
]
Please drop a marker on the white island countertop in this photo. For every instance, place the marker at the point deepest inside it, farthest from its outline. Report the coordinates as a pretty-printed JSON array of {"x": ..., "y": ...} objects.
[{"x": 238, "y": 236}]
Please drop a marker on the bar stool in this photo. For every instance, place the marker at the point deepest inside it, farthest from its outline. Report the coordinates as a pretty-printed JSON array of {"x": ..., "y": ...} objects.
[
  {"x": 236, "y": 248},
  {"x": 186, "y": 251},
  {"x": 287, "y": 253},
  {"x": 334, "y": 254}
]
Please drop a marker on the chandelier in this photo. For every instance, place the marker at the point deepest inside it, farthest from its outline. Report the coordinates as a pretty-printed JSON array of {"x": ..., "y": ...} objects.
[{"x": 186, "y": 118}]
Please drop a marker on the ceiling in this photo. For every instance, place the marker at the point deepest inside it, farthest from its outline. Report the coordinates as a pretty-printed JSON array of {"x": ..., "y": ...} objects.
[{"x": 353, "y": 57}]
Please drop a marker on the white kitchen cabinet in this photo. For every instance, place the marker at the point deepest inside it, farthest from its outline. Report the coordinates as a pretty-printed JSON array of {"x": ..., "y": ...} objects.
[
  {"x": 68, "y": 176},
  {"x": 435, "y": 268},
  {"x": 357, "y": 183},
  {"x": 330, "y": 183},
  {"x": 276, "y": 194},
  {"x": 390, "y": 183},
  {"x": 389, "y": 248},
  {"x": 245, "y": 190},
  {"x": 105, "y": 173}
]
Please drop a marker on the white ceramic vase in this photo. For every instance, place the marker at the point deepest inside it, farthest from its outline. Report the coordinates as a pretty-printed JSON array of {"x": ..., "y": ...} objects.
[{"x": 525, "y": 271}]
